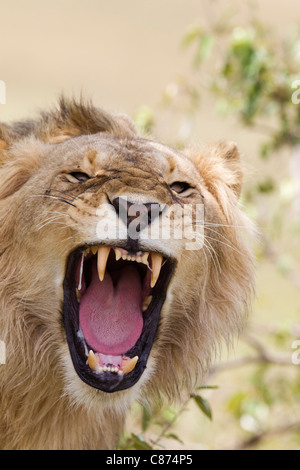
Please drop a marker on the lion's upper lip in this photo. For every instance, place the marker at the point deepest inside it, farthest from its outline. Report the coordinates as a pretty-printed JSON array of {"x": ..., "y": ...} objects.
[{"x": 118, "y": 296}]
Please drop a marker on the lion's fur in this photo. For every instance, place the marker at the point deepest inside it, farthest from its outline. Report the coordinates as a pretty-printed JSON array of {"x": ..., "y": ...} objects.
[{"x": 43, "y": 403}]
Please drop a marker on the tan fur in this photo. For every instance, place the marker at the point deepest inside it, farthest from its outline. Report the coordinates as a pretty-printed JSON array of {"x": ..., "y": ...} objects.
[{"x": 43, "y": 403}]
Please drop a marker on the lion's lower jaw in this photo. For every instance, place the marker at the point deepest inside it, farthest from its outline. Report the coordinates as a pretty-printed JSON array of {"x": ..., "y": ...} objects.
[
  {"x": 64, "y": 423},
  {"x": 62, "y": 431},
  {"x": 75, "y": 416}
]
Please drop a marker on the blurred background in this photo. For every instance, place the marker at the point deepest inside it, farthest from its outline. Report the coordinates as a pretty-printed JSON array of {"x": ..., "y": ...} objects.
[{"x": 188, "y": 72}]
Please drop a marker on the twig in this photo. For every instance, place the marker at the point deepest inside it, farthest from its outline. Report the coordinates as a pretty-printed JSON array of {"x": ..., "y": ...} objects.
[
  {"x": 254, "y": 440},
  {"x": 263, "y": 356},
  {"x": 169, "y": 424}
]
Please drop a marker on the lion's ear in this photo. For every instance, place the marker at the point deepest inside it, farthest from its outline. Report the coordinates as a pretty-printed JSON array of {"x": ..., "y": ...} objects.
[
  {"x": 230, "y": 155},
  {"x": 18, "y": 160},
  {"x": 219, "y": 165},
  {"x": 7, "y": 136}
]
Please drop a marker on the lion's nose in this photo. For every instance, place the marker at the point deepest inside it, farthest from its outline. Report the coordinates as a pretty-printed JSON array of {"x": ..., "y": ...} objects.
[{"x": 142, "y": 214}]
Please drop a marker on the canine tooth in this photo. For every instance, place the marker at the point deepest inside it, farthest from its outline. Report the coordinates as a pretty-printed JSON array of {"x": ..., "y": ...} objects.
[
  {"x": 118, "y": 254},
  {"x": 145, "y": 258},
  {"x": 94, "y": 249},
  {"x": 146, "y": 303},
  {"x": 156, "y": 267},
  {"x": 103, "y": 253},
  {"x": 129, "y": 364},
  {"x": 93, "y": 361}
]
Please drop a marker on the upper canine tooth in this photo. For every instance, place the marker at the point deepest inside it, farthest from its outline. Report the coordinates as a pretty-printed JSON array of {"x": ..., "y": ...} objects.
[
  {"x": 103, "y": 252},
  {"x": 156, "y": 267}
]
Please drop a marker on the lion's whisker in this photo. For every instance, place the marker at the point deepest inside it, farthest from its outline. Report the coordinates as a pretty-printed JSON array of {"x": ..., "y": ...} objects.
[
  {"x": 59, "y": 198},
  {"x": 223, "y": 243},
  {"x": 213, "y": 255}
]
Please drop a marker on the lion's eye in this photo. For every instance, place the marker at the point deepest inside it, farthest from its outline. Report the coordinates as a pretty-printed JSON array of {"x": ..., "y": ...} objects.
[
  {"x": 179, "y": 187},
  {"x": 78, "y": 176}
]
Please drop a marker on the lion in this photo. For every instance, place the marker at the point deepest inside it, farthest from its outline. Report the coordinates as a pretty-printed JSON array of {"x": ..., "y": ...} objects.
[{"x": 96, "y": 311}]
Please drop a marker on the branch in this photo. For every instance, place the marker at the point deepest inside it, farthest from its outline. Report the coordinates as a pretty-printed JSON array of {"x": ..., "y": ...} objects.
[
  {"x": 263, "y": 356},
  {"x": 254, "y": 440}
]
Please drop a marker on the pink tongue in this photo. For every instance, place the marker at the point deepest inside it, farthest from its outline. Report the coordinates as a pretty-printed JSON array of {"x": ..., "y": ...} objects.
[{"x": 110, "y": 316}]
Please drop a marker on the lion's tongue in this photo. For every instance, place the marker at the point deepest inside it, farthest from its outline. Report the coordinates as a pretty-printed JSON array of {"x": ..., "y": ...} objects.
[{"x": 111, "y": 316}]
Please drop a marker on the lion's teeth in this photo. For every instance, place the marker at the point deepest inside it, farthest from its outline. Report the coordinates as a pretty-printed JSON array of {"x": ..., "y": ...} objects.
[
  {"x": 120, "y": 365},
  {"x": 118, "y": 254},
  {"x": 129, "y": 364},
  {"x": 103, "y": 252},
  {"x": 156, "y": 267},
  {"x": 145, "y": 258},
  {"x": 94, "y": 249},
  {"x": 93, "y": 361},
  {"x": 139, "y": 257},
  {"x": 146, "y": 303}
]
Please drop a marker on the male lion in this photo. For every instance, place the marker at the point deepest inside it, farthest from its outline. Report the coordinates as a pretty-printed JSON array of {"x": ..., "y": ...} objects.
[{"x": 95, "y": 310}]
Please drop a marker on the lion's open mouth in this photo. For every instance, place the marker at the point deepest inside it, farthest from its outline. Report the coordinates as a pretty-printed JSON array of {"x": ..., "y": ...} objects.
[{"x": 112, "y": 304}]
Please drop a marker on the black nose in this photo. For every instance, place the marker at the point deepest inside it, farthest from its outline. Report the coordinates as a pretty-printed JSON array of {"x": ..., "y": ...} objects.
[{"x": 141, "y": 214}]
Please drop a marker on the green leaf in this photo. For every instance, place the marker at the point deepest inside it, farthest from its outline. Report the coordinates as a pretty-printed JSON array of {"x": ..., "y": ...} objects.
[
  {"x": 204, "y": 48},
  {"x": 171, "y": 435},
  {"x": 139, "y": 442},
  {"x": 194, "y": 33},
  {"x": 144, "y": 119},
  {"x": 203, "y": 405}
]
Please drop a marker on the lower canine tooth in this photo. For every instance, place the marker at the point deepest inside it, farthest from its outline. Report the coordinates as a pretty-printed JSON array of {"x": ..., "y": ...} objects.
[
  {"x": 146, "y": 303},
  {"x": 93, "y": 361},
  {"x": 129, "y": 364}
]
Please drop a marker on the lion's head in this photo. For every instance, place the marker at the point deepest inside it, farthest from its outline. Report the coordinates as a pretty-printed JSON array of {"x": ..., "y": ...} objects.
[{"x": 123, "y": 265}]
